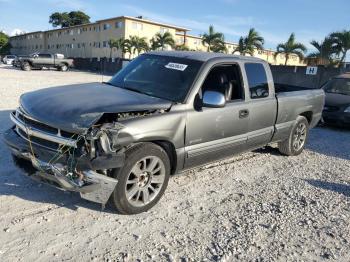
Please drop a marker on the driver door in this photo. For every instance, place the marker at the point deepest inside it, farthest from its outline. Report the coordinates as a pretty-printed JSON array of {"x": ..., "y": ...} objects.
[{"x": 215, "y": 133}]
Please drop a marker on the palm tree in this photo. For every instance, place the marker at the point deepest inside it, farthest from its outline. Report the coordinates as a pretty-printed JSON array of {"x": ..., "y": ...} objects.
[
  {"x": 247, "y": 45},
  {"x": 211, "y": 38},
  {"x": 241, "y": 46},
  {"x": 182, "y": 47},
  {"x": 326, "y": 50},
  {"x": 162, "y": 40},
  {"x": 117, "y": 44},
  {"x": 219, "y": 46},
  {"x": 342, "y": 42},
  {"x": 291, "y": 47},
  {"x": 128, "y": 47},
  {"x": 138, "y": 44},
  {"x": 154, "y": 44}
]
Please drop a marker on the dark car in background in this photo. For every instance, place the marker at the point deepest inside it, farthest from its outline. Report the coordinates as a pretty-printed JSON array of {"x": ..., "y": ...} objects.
[{"x": 337, "y": 105}]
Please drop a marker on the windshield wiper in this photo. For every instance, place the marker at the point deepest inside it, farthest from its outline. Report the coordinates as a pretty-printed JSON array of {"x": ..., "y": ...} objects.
[{"x": 135, "y": 90}]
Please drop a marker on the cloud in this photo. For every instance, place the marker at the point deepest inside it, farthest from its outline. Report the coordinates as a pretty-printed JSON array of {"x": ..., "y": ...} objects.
[{"x": 17, "y": 31}]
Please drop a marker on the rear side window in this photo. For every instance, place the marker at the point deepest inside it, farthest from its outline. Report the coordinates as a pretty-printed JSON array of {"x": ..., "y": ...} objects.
[
  {"x": 45, "y": 55},
  {"x": 257, "y": 80}
]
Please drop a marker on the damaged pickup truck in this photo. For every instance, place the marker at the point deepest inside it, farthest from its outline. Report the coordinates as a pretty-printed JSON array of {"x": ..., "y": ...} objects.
[{"x": 165, "y": 112}]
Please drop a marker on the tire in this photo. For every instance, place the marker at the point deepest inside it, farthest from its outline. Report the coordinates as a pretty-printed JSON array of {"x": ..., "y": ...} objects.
[
  {"x": 63, "y": 68},
  {"x": 296, "y": 141},
  {"x": 26, "y": 66},
  {"x": 142, "y": 180}
]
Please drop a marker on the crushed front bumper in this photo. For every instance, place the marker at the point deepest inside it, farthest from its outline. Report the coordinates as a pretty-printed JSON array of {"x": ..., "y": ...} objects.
[{"x": 94, "y": 186}]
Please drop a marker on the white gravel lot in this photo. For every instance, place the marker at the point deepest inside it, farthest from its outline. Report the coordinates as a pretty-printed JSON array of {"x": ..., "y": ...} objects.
[{"x": 259, "y": 206}]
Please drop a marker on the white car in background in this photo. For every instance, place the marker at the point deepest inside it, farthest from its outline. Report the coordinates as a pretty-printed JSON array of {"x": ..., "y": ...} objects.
[{"x": 8, "y": 59}]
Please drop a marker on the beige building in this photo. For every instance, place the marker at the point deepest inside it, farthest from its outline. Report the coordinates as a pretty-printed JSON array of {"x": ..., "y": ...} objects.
[{"x": 91, "y": 40}]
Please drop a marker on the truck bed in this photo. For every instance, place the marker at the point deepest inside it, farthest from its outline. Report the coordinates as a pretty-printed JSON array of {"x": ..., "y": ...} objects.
[
  {"x": 279, "y": 88},
  {"x": 293, "y": 101}
]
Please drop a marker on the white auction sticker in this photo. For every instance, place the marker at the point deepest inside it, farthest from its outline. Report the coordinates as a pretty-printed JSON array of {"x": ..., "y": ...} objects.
[{"x": 176, "y": 66}]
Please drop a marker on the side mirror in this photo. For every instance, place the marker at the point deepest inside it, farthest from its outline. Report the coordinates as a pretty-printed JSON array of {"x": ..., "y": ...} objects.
[{"x": 213, "y": 99}]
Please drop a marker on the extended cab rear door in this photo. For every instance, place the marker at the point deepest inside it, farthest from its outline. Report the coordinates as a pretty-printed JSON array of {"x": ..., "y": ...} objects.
[{"x": 261, "y": 103}]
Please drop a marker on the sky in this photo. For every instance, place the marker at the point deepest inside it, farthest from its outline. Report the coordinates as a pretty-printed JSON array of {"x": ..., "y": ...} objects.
[{"x": 274, "y": 20}]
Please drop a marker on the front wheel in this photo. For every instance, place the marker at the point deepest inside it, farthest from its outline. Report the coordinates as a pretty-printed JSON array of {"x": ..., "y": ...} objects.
[
  {"x": 26, "y": 66},
  {"x": 63, "y": 68},
  {"x": 296, "y": 141},
  {"x": 142, "y": 180}
]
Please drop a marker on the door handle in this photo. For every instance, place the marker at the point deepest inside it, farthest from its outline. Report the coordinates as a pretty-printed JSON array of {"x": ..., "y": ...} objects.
[{"x": 243, "y": 113}]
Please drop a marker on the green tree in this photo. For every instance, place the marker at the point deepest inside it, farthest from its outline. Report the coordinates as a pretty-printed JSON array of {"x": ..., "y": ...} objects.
[
  {"x": 5, "y": 45},
  {"x": 128, "y": 47},
  {"x": 248, "y": 44},
  {"x": 117, "y": 44},
  {"x": 182, "y": 47},
  {"x": 212, "y": 38},
  {"x": 138, "y": 44},
  {"x": 291, "y": 47},
  {"x": 241, "y": 46},
  {"x": 218, "y": 46},
  {"x": 342, "y": 43},
  {"x": 154, "y": 44},
  {"x": 68, "y": 19},
  {"x": 326, "y": 52},
  {"x": 162, "y": 40}
]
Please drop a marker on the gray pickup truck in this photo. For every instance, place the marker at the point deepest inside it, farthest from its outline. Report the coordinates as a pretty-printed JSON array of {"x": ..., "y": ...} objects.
[
  {"x": 164, "y": 113},
  {"x": 40, "y": 60}
]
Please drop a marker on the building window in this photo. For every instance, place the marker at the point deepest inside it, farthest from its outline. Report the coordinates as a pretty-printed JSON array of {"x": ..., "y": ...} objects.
[
  {"x": 137, "y": 26},
  {"x": 78, "y": 45},
  {"x": 105, "y": 44},
  {"x": 106, "y": 26},
  {"x": 118, "y": 24},
  {"x": 79, "y": 31}
]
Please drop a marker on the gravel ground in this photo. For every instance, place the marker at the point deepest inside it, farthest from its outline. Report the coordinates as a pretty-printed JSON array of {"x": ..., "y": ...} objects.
[{"x": 259, "y": 206}]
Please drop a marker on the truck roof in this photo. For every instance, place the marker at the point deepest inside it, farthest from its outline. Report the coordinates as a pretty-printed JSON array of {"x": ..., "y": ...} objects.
[{"x": 203, "y": 56}]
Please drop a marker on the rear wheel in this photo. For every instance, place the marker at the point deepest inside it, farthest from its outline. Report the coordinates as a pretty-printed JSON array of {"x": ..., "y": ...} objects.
[
  {"x": 26, "y": 66},
  {"x": 296, "y": 141},
  {"x": 142, "y": 180}
]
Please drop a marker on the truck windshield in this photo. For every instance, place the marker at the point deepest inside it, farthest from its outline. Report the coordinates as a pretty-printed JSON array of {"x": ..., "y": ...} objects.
[
  {"x": 164, "y": 77},
  {"x": 338, "y": 86}
]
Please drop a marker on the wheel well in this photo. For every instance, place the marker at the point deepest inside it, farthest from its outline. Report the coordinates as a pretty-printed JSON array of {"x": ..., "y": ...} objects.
[
  {"x": 307, "y": 115},
  {"x": 170, "y": 150}
]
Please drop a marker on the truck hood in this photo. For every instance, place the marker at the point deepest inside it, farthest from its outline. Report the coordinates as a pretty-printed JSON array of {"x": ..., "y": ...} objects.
[{"x": 75, "y": 108}]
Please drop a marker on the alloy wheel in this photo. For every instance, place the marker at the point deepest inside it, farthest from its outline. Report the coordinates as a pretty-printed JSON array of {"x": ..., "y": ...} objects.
[
  {"x": 145, "y": 181},
  {"x": 299, "y": 136}
]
